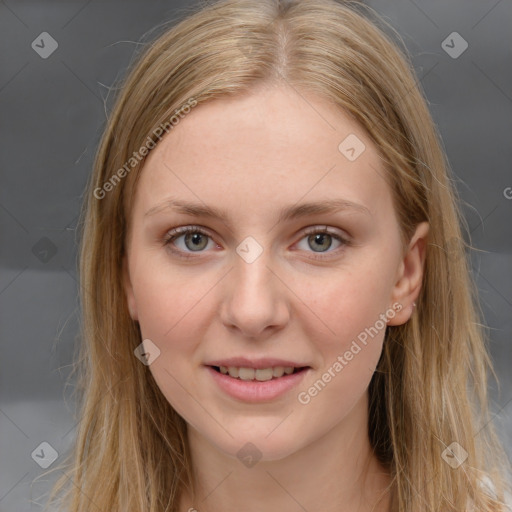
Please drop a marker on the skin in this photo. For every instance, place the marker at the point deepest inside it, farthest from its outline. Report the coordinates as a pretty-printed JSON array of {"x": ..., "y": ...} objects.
[{"x": 253, "y": 155}]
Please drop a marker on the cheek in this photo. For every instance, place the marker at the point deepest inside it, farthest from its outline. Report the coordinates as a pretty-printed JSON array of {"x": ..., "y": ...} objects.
[
  {"x": 338, "y": 391},
  {"x": 347, "y": 328},
  {"x": 171, "y": 304},
  {"x": 174, "y": 312},
  {"x": 351, "y": 306},
  {"x": 343, "y": 305},
  {"x": 350, "y": 355}
]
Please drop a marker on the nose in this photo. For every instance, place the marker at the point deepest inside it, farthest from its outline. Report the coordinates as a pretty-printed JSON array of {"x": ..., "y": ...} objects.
[{"x": 254, "y": 299}]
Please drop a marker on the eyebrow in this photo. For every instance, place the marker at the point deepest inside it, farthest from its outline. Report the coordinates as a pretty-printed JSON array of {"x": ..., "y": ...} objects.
[{"x": 289, "y": 213}]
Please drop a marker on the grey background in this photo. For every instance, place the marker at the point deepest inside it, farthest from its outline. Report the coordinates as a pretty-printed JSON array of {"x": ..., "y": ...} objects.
[{"x": 52, "y": 114}]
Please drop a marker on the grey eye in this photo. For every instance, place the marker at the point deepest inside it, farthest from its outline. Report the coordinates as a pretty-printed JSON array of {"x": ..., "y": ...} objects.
[
  {"x": 195, "y": 241},
  {"x": 322, "y": 240}
]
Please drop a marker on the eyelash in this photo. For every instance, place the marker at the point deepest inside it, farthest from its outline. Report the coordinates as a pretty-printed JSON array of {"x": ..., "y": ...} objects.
[{"x": 171, "y": 236}]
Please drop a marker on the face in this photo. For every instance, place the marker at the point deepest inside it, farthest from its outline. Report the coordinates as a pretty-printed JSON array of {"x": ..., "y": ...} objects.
[{"x": 267, "y": 283}]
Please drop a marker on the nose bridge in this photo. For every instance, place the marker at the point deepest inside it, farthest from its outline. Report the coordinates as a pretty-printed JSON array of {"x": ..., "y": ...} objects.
[
  {"x": 256, "y": 299},
  {"x": 252, "y": 276}
]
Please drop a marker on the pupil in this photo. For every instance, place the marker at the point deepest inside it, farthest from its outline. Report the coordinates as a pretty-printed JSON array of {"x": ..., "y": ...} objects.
[
  {"x": 196, "y": 240},
  {"x": 321, "y": 237}
]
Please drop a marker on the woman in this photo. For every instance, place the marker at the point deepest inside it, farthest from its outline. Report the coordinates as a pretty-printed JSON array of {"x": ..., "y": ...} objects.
[{"x": 277, "y": 310}]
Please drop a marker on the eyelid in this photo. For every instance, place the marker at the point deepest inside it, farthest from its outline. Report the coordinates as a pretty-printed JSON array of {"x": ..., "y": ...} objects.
[
  {"x": 183, "y": 230},
  {"x": 322, "y": 228},
  {"x": 175, "y": 233},
  {"x": 344, "y": 240}
]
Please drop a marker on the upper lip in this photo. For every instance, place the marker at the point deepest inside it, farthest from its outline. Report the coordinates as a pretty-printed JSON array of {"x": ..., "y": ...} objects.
[{"x": 244, "y": 362}]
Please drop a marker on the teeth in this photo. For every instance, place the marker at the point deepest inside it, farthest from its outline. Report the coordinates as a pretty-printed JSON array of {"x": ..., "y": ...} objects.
[
  {"x": 233, "y": 371},
  {"x": 263, "y": 374},
  {"x": 278, "y": 371},
  {"x": 260, "y": 374},
  {"x": 246, "y": 373}
]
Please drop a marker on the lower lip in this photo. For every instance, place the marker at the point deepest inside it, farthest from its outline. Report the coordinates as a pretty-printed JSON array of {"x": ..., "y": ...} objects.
[{"x": 256, "y": 391}]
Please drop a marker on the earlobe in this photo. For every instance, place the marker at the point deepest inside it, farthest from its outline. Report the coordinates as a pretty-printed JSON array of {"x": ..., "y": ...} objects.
[
  {"x": 130, "y": 298},
  {"x": 410, "y": 275}
]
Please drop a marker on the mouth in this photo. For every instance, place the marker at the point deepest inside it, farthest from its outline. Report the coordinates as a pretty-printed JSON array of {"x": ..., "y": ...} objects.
[
  {"x": 271, "y": 381},
  {"x": 258, "y": 374}
]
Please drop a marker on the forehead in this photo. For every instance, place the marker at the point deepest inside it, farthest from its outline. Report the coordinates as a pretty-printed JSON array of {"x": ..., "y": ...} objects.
[{"x": 271, "y": 147}]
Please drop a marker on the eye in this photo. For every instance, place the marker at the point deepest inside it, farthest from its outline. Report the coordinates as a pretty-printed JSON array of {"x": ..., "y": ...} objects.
[
  {"x": 321, "y": 238},
  {"x": 195, "y": 239}
]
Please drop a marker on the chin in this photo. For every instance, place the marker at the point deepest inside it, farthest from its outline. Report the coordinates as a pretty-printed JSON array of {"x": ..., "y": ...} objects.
[{"x": 264, "y": 442}]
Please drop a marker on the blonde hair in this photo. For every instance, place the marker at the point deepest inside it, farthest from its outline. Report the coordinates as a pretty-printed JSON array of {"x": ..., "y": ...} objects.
[{"x": 430, "y": 386}]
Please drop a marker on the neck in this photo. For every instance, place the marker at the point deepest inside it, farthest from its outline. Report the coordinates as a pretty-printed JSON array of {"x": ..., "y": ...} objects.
[{"x": 337, "y": 472}]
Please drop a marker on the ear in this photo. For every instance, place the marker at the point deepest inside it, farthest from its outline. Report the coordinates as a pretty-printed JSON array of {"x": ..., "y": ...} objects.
[
  {"x": 130, "y": 297},
  {"x": 410, "y": 275}
]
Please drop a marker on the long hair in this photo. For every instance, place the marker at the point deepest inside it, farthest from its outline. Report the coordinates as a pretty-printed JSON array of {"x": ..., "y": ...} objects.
[{"x": 430, "y": 386}]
